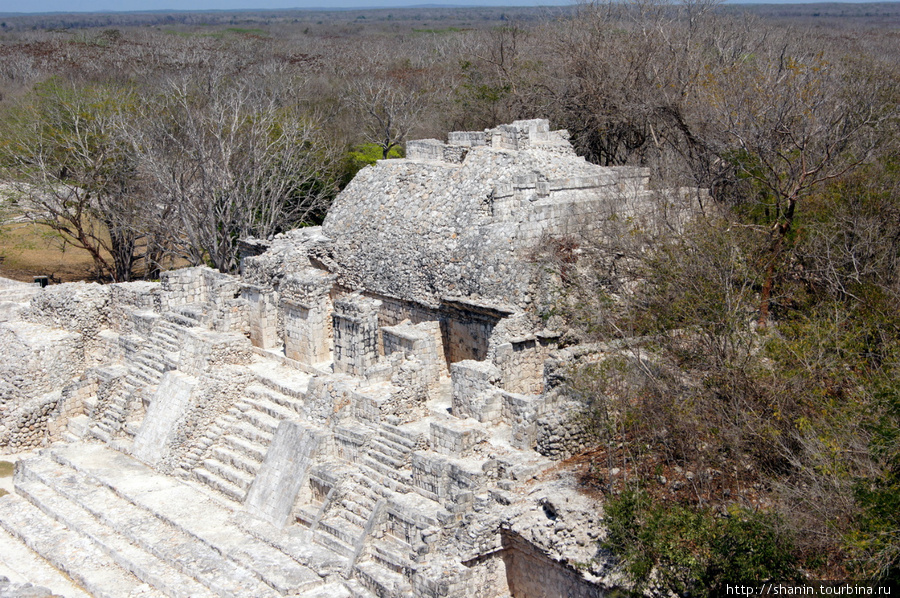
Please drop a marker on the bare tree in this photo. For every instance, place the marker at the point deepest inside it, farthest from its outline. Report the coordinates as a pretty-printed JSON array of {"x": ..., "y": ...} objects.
[
  {"x": 388, "y": 109},
  {"x": 78, "y": 177},
  {"x": 231, "y": 159}
]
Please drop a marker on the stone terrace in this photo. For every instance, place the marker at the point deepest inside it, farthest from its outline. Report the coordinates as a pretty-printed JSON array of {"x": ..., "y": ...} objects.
[{"x": 363, "y": 412}]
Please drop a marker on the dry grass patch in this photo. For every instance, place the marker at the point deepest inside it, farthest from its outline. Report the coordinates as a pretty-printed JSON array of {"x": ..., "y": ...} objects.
[
  {"x": 6, "y": 469},
  {"x": 29, "y": 250}
]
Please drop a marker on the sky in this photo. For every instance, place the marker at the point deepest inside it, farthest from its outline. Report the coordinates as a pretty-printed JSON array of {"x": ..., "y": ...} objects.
[{"x": 38, "y": 6}]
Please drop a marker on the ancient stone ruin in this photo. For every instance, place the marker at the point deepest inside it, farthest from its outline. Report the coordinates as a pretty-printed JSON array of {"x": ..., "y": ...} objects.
[{"x": 367, "y": 410}]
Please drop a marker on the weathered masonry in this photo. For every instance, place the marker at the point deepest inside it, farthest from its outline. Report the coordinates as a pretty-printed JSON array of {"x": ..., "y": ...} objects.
[{"x": 362, "y": 412}]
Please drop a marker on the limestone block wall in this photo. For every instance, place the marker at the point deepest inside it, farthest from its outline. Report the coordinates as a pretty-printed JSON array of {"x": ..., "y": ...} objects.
[
  {"x": 203, "y": 349},
  {"x": 530, "y": 574},
  {"x": 329, "y": 399},
  {"x": 420, "y": 343},
  {"x": 560, "y": 430},
  {"x": 27, "y": 425},
  {"x": 28, "y": 421},
  {"x": 38, "y": 359},
  {"x": 81, "y": 308},
  {"x": 110, "y": 346},
  {"x": 308, "y": 315},
  {"x": 356, "y": 334},
  {"x": 187, "y": 285},
  {"x": 141, "y": 322},
  {"x": 455, "y": 436},
  {"x": 262, "y": 308},
  {"x": 127, "y": 297},
  {"x": 474, "y": 393},
  {"x": 519, "y": 410},
  {"x": 521, "y": 363}
]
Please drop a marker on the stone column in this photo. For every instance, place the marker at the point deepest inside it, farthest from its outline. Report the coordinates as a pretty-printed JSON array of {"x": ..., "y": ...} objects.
[
  {"x": 355, "y": 334},
  {"x": 263, "y": 316},
  {"x": 306, "y": 306}
]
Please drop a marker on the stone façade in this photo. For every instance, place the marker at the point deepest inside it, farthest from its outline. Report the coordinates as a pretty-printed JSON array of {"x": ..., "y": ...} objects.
[{"x": 366, "y": 410}]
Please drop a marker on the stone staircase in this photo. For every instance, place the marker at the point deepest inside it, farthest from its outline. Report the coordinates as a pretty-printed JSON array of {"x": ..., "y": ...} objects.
[
  {"x": 149, "y": 362},
  {"x": 108, "y": 415},
  {"x": 345, "y": 520},
  {"x": 233, "y": 449},
  {"x": 188, "y": 315},
  {"x": 345, "y": 526},
  {"x": 387, "y": 456},
  {"x": 160, "y": 353},
  {"x": 119, "y": 529}
]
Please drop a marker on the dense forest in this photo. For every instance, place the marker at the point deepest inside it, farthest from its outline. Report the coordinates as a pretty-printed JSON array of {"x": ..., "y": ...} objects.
[{"x": 746, "y": 416}]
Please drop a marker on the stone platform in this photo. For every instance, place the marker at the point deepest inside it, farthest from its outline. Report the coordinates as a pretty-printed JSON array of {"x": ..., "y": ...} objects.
[{"x": 371, "y": 408}]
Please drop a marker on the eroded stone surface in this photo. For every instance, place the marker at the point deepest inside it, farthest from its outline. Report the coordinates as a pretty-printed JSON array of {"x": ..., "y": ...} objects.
[{"x": 369, "y": 409}]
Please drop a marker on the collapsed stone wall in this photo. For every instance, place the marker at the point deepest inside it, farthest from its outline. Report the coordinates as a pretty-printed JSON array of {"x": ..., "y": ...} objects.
[{"x": 429, "y": 227}]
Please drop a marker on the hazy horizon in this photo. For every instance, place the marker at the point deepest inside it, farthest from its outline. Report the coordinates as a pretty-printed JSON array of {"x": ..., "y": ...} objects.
[{"x": 125, "y": 6}]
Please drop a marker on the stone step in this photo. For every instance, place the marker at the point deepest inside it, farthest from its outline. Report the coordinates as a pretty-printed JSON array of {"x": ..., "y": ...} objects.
[
  {"x": 269, "y": 407},
  {"x": 238, "y": 460},
  {"x": 166, "y": 336},
  {"x": 220, "y": 484},
  {"x": 165, "y": 330},
  {"x": 359, "y": 500},
  {"x": 340, "y": 528},
  {"x": 238, "y": 477},
  {"x": 386, "y": 445},
  {"x": 154, "y": 361},
  {"x": 379, "y": 445},
  {"x": 397, "y": 436},
  {"x": 190, "y": 511},
  {"x": 306, "y": 514},
  {"x": 143, "y": 565},
  {"x": 287, "y": 381},
  {"x": 392, "y": 553},
  {"x": 101, "y": 432},
  {"x": 146, "y": 376},
  {"x": 167, "y": 348},
  {"x": 244, "y": 446},
  {"x": 324, "y": 538},
  {"x": 385, "y": 459},
  {"x": 381, "y": 581},
  {"x": 251, "y": 433},
  {"x": 181, "y": 320},
  {"x": 297, "y": 542},
  {"x": 131, "y": 428},
  {"x": 264, "y": 393},
  {"x": 387, "y": 471},
  {"x": 169, "y": 326},
  {"x": 387, "y": 480},
  {"x": 66, "y": 550},
  {"x": 352, "y": 516},
  {"x": 20, "y": 564},
  {"x": 169, "y": 331},
  {"x": 262, "y": 421},
  {"x": 114, "y": 413},
  {"x": 357, "y": 590},
  {"x": 152, "y": 366},
  {"x": 192, "y": 559}
]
